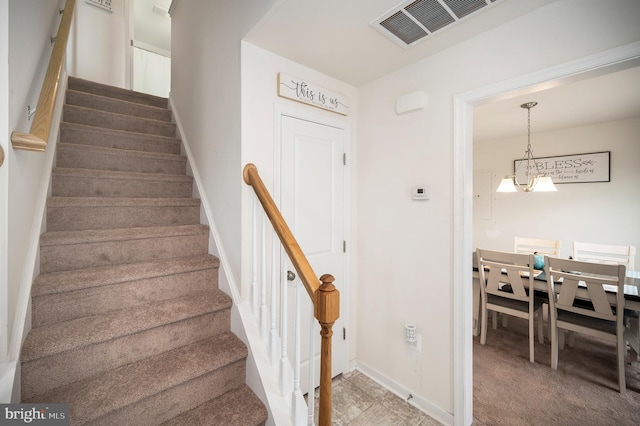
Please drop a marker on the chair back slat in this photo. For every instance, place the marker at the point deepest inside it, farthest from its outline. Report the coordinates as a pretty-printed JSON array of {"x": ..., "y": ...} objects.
[
  {"x": 603, "y": 253},
  {"x": 537, "y": 245}
]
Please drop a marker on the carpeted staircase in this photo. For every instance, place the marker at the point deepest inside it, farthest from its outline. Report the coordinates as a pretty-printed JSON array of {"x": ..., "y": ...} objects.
[{"x": 129, "y": 326}]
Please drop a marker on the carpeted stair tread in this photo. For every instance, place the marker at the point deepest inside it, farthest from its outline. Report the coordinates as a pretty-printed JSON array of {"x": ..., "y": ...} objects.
[
  {"x": 95, "y": 397},
  {"x": 79, "y": 202},
  {"x": 111, "y": 120},
  {"x": 123, "y": 234},
  {"x": 82, "y": 85},
  {"x": 107, "y": 151},
  {"x": 42, "y": 375},
  {"x": 111, "y": 174},
  {"x": 70, "y": 182},
  {"x": 81, "y": 134},
  {"x": 72, "y": 250},
  {"x": 239, "y": 407},
  {"x": 56, "y": 338},
  {"x": 83, "y": 213},
  {"x": 64, "y": 281},
  {"x": 60, "y": 307},
  {"x": 120, "y": 106},
  {"x": 101, "y": 158}
]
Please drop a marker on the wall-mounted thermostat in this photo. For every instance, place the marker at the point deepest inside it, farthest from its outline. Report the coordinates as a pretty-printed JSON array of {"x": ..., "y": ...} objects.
[
  {"x": 420, "y": 193},
  {"x": 104, "y": 4}
]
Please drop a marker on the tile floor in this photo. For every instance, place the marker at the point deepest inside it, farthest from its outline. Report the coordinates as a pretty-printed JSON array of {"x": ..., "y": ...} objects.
[{"x": 358, "y": 400}]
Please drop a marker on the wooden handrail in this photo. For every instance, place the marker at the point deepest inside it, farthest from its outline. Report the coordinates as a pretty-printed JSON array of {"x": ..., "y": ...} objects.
[
  {"x": 325, "y": 297},
  {"x": 38, "y": 136},
  {"x": 299, "y": 260}
]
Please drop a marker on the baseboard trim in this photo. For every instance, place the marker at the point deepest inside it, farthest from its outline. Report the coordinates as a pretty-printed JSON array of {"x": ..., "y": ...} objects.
[{"x": 404, "y": 393}]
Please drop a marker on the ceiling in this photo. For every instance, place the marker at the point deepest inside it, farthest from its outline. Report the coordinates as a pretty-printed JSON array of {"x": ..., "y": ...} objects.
[
  {"x": 335, "y": 37},
  {"x": 149, "y": 27},
  {"x": 608, "y": 97}
]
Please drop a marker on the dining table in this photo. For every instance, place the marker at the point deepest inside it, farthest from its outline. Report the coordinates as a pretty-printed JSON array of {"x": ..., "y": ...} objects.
[{"x": 631, "y": 299}]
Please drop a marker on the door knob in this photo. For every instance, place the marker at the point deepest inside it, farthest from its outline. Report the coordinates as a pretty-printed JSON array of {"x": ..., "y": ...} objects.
[{"x": 291, "y": 275}]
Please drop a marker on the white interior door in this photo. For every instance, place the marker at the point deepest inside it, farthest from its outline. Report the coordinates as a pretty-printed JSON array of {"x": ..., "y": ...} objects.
[{"x": 312, "y": 202}]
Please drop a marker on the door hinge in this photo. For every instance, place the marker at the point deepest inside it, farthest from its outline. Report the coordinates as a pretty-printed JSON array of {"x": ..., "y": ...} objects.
[
  {"x": 344, "y": 333},
  {"x": 344, "y": 246},
  {"x": 344, "y": 158}
]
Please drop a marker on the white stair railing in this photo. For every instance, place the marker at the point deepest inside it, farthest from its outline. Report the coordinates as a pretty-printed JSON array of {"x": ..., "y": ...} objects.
[{"x": 273, "y": 310}]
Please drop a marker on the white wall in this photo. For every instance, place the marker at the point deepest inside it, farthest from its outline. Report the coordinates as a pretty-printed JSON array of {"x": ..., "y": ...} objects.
[
  {"x": 205, "y": 88},
  {"x": 98, "y": 44},
  {"x": 31, "y": 23},
  {"x": 5, "y": 144},
  {"x": 260, "y": 100},
  {"x": 405, "y": 247},
  {"x": 603, "y": 212}
]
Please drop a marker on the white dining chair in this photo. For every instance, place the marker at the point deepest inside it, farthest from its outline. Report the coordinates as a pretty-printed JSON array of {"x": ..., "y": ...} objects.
[
  {"x": 604, "y": 253},
  {"x": 537, "y": 245},
  {"x": 498, "y": 270},
  {"x": 582, "y": 305}
]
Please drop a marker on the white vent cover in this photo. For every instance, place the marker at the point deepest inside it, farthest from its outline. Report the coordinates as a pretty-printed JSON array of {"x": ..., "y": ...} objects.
[{"x": 414, "y": 20}]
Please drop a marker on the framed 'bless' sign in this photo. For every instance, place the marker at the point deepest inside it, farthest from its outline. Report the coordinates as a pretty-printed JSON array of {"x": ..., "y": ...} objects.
[{"x": 579, "y": 168}]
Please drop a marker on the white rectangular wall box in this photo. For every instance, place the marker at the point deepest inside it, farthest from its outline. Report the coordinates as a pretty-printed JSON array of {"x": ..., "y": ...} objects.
[{"x": 410, "y": 102}]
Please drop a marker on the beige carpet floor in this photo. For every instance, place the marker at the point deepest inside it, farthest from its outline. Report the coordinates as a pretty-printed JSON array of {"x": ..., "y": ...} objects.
[{"x": 509, "y": 390}]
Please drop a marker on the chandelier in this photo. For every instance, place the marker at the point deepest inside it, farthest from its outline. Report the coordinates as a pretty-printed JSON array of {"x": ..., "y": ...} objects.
[{"x": 537, "y": 181}]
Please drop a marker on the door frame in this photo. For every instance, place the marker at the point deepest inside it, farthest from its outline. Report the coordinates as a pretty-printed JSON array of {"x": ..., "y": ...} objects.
[
  {"x": 305, "y": 114},
  {"x": 128, "y": 39},
  {"x": 612, "y": 60}
]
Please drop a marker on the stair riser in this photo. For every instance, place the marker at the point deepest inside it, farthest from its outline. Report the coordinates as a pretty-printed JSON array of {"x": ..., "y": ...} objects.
[
  {"x": 116, "y": 92},
  {"x": 88, "y": 117},
  {"x": 52, "y": 308},
  {"x": 83, "y": 218},
  {"x": 117, "y": 106},
  {"x": 70, "y": 133},
  {"x": 90, "y": 255},
  {"x": 71, "y": 186},
  {"x": 48, "y": 373},
  {"x": 186, "y": 396},
  {"x": 76, "y": 157}
]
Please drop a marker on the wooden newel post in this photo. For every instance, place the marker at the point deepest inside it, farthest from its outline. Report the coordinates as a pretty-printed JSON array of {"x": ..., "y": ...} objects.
[{"x": 327, "y": 311}]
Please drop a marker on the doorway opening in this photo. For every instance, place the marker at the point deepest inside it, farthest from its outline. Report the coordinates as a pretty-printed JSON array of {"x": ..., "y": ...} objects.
[
  {"x": 150, "y": 47},
  {"x": 598, "y": 64}
]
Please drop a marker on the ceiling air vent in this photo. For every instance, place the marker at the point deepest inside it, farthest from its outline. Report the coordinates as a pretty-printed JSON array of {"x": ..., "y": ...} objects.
[{"x": 414, "y": 20}]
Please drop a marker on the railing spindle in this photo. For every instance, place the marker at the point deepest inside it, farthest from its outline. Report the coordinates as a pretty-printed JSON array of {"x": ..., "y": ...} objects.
[
  {"x": 273, "y": 333},
  {"x": 285, "y": 366},
  {"x": 255, "y": 297},
  {"x": 311, "y": 392},
  {"x": 263, "y": 285},
  {"x": 297, "y": 400}
]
